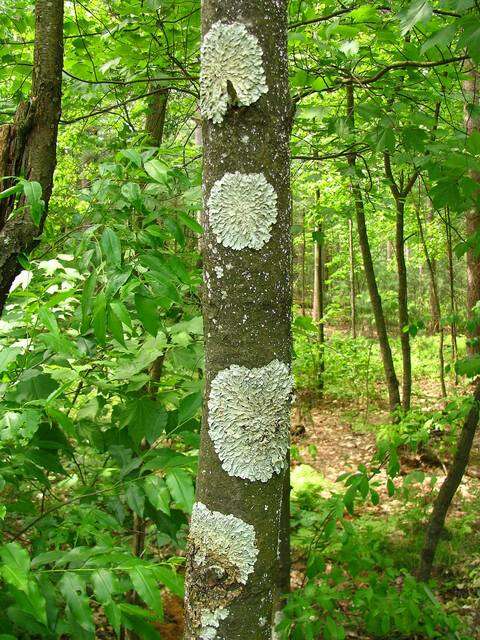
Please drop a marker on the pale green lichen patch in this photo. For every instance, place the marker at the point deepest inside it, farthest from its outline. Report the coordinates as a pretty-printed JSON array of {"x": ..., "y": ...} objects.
[
  {"x": 242, "y": 208},
  {"x": 223, "y": 543},
  {"x": 210, "y": 621},
  {"x": 231, "y": 70},
  {"x": 249, "y": 417}
]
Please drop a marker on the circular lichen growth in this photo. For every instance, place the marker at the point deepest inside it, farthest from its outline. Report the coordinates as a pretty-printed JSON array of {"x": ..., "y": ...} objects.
[
  {"x": 248, "y": 419},
  {"x": 231, "y": 70},
  {"x": 223, "y": 542},
  {"x": 242, "y": 209}
]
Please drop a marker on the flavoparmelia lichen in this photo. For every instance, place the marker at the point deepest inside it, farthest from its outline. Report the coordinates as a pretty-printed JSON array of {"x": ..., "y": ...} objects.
[
  {"x": 223, "y": 542},
  {"x": 210, "y": 621},
  {"x": 230, "y": 54},
  {"x": 242, "y": 209},
  {"x": 248, "y": 419}
]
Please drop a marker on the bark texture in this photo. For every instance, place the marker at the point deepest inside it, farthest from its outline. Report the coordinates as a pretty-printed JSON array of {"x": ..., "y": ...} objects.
[
  {"x": 472, "y": 123},
  {"x": 28, "y": 146},
  {"x": 351, "y": 276},
  {"x": 449, "y": 488},
  {"x": 375, "y": 298},
  {"x": 246, "y": 305},
  {"x": 157, "y": 112}
]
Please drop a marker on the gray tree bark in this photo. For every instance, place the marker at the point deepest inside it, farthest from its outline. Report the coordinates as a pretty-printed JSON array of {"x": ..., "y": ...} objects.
[
  {"x": 375, "y": 298},
  {"x": 28, "y": 147},
  {"x": 233, "y": 552}
]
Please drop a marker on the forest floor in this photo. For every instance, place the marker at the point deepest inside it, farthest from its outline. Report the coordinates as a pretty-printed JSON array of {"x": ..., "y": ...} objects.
[{"x": 332, "y": 438}]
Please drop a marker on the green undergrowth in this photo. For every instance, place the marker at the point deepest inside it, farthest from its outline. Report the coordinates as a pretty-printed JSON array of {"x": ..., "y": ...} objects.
[{"x": 358, "y": 561}]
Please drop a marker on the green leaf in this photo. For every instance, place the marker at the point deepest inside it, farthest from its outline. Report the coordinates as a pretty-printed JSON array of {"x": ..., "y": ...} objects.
[
  {"x": 104, "y": 584},
  {"x": 111, "y": 247},
  {"x": 190, "y": 222},
  {"x": 16, "y": 565},
  {"x": 145, "y": 419},
  {"x": 7, "y": 356},
  {"x": 99, "y": 318},
  {"x": 33, "y": 195},
  {"x": 172, "y": 580},
  {"x": 157, "y": 170},
  {"x": 72, "y": 587},
  {"x": 135, "y": 499},
  {"x": 87, "y": 300},
  {"x": 189, "y": 407},
  {"x": 418, "y": 11},
  {"x": 132, "y": 155},
  {"x": 147, "y": 309},
  {"x": 440, "y": 38},
  {"x": 181, "y": 487},
  {"x": 145, "y": 585},
  {"x": 115, "y": 326},
  {"x": 48, "y": 319},
  {"x": 157, "y": 493}
]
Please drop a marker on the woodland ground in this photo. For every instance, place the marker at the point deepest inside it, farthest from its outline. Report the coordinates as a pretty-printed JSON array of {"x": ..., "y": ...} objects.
[{"x": 337, "y": 439}]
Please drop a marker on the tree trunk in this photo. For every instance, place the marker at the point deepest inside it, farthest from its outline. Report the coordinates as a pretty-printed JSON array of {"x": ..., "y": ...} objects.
[
  {"x": 449, "y": 488},
  {"x": 375, "y": 298},
  {"x": 303, "y": 267},
  {"x": 434, "y": 326},
  {"x": 319, "y": 301},
  {"x": 451, "y": 281},
  {"x": 403, "y": 318},
  {"x": 233, "y": 564},
  {"x": 472, "y": 123},
  {"x": 28, "y": 147},
  {"x": 353, "y": 293},
  {"x": 435, "y": 303},
  {"x": 155, "y": 120}
]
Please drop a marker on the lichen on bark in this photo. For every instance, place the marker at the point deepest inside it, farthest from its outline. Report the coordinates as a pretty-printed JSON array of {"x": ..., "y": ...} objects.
[
  {"x": 232, "y": 70},
  {"x": 242, "y": 208},
  {"x": 249, "y": 419}
]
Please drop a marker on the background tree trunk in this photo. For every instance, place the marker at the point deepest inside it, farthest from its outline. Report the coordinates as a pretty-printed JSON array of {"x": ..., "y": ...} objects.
[
  {"x": 157, "y": 111},
  {"x": 472, "y": 123},
  {"x": 449, "y": 488},
  {"x": 28, "y": 147},
  {"x": 319, "y": 300},
  {"x": 403, "y": 317},
  {"x": 375, "y": 299},
  {"x": 353, "y": 293},
  {"x": 233, "y": 565}
]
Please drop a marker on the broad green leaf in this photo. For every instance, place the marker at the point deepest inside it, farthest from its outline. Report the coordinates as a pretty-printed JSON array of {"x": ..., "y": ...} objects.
[
  {"x": 157, "y": 170},
  {"x": 190, "y": 222},
  {"x": 72, "y": 586},
  {"x": 132, "y": 155},
  {"x": 33, "y": 196},
  {"x": 115, "y": 327},
  {"x": 7, "y": 356},
  {"x": 189, "y": 407},
  {"x": 104, "y": 584},
  {"x": 440, "y": 38},
  {"x": 145, "y": 585},
  {"x": 135, "y": 499},
  {"x": 100, "y": 318},
  {"x": 181, "y": 488},
  {"x": 111, "y": 247},
  {"x": 15, "y": 565},
  {"x": 48, "y": 319},
  {"x": 172, "y": 580},
  {"x": 157, "y": 493},
  {"x": 417, "y": 11},
  {"x": 87, "y": 300},
  {"x": 147, "y": 309}
]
